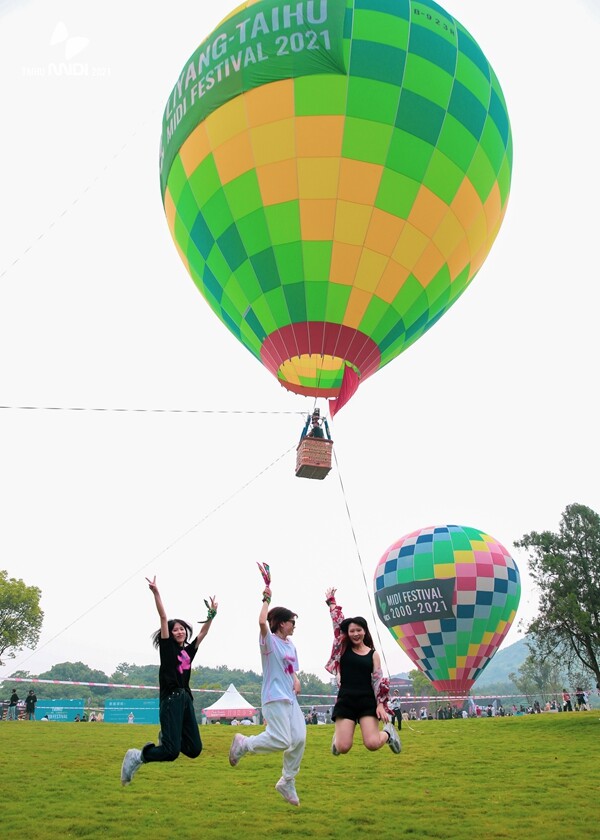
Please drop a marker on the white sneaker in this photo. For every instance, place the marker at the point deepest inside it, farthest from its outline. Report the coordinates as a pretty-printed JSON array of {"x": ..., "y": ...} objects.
[
  {"x": 131, "y": 764},
  {"x": 236, "y": 751},
  {"x": 334, "y": 749},
  {"x": 287, "y": 789},
  {"x": 393, "y": 738}
]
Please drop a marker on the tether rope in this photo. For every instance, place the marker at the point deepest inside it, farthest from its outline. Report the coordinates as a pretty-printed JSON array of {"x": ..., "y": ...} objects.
[
  {"x": 141, "y": 410},
  {"x": 4, "y": 271},
  {"x": 157, "y": 556},
  {"x": 358, "y": 554}
]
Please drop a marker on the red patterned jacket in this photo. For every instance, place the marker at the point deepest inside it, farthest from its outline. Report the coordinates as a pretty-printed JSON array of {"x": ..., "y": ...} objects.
[{"x": 381, "y": 684}]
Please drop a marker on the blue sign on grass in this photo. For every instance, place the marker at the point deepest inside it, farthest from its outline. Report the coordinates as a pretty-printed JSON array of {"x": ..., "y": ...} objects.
[
  {"x": 131, "y": 711},
  {"x": 63, "y": 710}
]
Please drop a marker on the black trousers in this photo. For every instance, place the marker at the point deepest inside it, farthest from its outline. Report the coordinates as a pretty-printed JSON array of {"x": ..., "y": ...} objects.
[{"x": 179, "y": 730}]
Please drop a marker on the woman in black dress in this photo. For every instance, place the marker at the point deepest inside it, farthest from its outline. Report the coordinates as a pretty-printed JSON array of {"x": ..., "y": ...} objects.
[{"x": 363, "y": 690}]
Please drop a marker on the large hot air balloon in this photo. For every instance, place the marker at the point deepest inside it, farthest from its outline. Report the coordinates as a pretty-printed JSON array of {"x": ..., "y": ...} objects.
[
  {"x": 448, "y": 595},
  {"x": 334, "y": 173}
]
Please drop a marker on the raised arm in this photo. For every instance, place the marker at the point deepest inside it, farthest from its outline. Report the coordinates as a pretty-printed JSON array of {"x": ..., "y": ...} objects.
[
  {"x": 262, "y": 616},
  {"x": 164, "y": 626},
  {"x": 335, "y": 611},
  {"x": 206, "y": 625},
  {"x": 337, "y": 616}
]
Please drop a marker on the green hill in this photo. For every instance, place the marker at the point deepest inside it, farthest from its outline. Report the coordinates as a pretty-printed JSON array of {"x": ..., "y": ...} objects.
[{"x": 506, "y": 661}]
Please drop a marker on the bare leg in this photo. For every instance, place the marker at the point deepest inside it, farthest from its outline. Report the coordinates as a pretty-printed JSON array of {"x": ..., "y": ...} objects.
[
  {"x": 344, "y": 734},
  {"x": 373, "y": 737}
]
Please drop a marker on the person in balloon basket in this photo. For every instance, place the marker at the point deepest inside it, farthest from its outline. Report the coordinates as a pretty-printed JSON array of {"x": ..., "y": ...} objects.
[
  {"x": 286, "y": 728},
  {"x": 318, "y": 426},
  {"x": 316, "y": 429},
  {"x": 363, "y": 690},
  {"x": 178, "y": 725}
]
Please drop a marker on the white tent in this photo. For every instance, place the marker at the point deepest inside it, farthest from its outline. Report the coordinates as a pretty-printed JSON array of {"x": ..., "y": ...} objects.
[{"x": 230, "y": 705}]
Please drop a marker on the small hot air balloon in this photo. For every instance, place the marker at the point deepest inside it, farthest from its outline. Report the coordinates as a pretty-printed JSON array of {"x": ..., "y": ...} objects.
[
  {"x": 334, "y": 173},
  {"x": 448, "y": 595}
]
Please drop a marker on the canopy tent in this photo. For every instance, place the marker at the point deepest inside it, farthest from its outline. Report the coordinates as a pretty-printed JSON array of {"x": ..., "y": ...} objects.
[{"x": 230, "y": 705}]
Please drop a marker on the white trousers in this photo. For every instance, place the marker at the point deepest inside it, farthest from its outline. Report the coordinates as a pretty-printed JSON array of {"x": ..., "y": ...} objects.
[{"x": 286, "y": 730}]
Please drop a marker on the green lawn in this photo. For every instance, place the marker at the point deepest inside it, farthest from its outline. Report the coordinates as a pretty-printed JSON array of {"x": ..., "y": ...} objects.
[{"x": 532, "y": 778}]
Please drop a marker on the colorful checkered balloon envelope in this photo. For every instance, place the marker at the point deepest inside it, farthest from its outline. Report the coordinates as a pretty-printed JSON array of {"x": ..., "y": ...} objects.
[
  {"x": 334, "y": 173},
  {"x": 448, "y": 595}
]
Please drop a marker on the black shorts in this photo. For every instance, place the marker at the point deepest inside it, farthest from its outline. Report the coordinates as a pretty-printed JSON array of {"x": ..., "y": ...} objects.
[{"x": 354, "y": 707}]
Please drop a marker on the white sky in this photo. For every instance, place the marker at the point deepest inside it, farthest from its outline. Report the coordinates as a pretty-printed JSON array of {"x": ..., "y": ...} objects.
[{"x": 490, "y": 420}]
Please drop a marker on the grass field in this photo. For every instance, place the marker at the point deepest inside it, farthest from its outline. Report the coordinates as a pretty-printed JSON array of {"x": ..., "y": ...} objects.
[{"x": 532, "y": 778}]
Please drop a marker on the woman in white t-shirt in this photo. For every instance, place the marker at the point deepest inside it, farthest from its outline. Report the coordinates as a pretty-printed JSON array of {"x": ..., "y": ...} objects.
[{"x": 286, "y": 729}]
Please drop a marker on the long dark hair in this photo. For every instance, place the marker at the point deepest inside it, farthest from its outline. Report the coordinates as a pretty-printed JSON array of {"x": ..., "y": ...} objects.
[
  {"x": 278, "y": 616},
  {"x": 171, "y": 623},
  {"x": 362, "y": 622}
]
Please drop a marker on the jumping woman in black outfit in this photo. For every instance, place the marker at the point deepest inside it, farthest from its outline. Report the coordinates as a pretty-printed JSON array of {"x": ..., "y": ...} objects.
[
  {"x": 363, "y": 690},
  {"x": 178, "y": 724}
]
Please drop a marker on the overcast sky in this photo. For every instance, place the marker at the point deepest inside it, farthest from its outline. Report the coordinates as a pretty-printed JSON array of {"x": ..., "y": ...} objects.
[{"x": 490, "y": 420}]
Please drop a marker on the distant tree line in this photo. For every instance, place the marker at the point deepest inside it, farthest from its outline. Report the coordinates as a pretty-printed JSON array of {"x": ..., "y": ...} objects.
[{"x": 216, "y": 680}]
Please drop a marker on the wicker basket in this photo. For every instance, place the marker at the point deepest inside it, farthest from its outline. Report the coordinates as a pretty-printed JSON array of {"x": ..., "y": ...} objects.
[{"x": 313, "y": 458}]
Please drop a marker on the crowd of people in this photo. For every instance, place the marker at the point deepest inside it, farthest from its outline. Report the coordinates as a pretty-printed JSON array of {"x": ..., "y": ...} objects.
[
  {"x": 314, "y": 716},
  {"x": 448, "y": 711}
]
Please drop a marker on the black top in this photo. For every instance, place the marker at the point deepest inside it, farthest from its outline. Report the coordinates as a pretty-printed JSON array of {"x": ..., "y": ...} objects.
[
  {"x": 175, "y": 666},
  {"x": 356, "y": 673}
]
